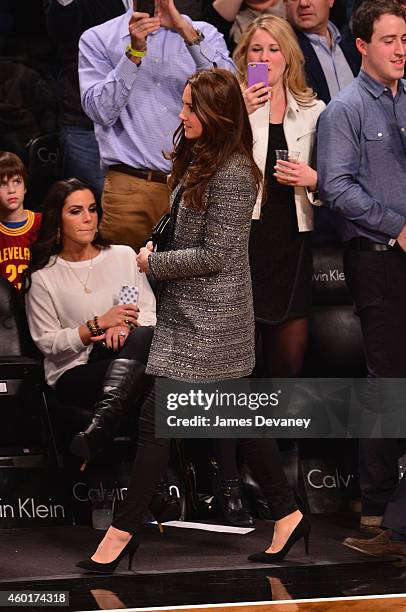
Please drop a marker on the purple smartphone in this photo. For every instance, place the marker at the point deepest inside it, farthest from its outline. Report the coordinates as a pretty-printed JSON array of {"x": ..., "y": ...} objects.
[
  {"x": 145, "y": 6},
  {"x": 257, "y": 73}
]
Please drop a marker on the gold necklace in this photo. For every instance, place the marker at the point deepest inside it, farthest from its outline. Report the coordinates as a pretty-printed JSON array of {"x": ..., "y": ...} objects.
[{"x": 84, "y": 284}]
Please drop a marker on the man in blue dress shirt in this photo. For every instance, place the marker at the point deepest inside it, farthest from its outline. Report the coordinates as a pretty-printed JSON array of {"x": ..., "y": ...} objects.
[
  {"x": 132, "y": 72},
  {"x": 362, "y": 176}
]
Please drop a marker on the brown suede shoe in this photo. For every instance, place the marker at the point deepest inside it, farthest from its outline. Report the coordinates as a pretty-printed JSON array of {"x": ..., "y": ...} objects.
[{"x": 379, "y": 546}]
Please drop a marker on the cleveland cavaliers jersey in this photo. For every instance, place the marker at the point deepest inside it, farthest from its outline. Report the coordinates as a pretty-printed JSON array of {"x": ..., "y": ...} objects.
[{"x": 15, "y": 247}]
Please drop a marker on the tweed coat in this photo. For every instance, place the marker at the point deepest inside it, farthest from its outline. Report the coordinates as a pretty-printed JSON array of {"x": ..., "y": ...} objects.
[{"x": 205, "y": 319}]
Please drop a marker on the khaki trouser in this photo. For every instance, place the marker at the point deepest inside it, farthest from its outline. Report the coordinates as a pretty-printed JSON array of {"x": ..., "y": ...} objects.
[{"x": 131, "y": 207}]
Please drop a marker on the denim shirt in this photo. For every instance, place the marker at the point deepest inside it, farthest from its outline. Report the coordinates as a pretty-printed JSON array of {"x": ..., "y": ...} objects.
[{"x": 361, "y": 151}]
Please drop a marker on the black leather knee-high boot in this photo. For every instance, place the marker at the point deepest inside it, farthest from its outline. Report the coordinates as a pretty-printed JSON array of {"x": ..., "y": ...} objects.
[{"x": 125, "y": 382}]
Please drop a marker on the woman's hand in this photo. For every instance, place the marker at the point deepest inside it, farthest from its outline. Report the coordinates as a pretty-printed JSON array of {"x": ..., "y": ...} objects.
[
  {"x": 142, "y": 257},
  {"x": 121, "y": 314},
  {"x": 115, "y": 337},
  {"x": 256, "y": 96},
  {"x": 296, "y": 174}
]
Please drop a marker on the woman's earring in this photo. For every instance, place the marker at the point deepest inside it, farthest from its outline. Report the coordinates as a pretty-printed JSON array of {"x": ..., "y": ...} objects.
[{"x": 58, "y": 237}]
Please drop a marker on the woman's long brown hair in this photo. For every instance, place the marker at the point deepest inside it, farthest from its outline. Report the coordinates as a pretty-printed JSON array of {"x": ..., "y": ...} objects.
[
  {"x": 218, "y": 104},
  {"x": 47, "y": 243}
]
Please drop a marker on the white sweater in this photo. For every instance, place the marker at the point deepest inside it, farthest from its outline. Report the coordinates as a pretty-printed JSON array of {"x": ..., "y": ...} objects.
[{"x": 57, "y": 305}]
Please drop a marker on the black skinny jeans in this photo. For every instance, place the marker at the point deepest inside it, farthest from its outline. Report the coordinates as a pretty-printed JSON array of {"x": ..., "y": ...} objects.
[{"x": 151, "y": 462}]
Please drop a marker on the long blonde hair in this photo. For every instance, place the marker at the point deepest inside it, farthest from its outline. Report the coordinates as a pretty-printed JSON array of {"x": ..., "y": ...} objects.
[{"x": 294, "y": 76}]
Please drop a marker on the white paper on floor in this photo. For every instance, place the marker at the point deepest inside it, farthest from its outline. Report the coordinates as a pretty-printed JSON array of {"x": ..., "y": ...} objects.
[{"x": 207, "y": 527}]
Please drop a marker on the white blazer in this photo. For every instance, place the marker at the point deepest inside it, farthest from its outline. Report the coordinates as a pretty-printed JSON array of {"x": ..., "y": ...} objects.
[{"x": 299, "y": 126}]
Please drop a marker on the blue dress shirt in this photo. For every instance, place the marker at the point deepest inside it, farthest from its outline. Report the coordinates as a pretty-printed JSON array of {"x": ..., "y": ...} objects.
[
  {"x": 361, "y": 158},
  {"x": 336, "y": 69},
  {"x": 135, "y": 109}
]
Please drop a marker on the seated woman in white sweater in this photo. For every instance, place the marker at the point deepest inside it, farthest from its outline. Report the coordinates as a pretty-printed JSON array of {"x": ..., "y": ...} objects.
[{"x": 95, "y": 348}]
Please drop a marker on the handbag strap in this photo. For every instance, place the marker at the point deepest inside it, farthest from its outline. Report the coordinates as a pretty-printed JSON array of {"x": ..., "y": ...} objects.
[{"x": 174, "y": 213}]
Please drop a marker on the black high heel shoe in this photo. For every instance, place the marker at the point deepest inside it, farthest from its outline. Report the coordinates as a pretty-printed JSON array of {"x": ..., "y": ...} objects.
[
  {"x": 302, "y": 530},
  {"x": 108, "y": 568}
]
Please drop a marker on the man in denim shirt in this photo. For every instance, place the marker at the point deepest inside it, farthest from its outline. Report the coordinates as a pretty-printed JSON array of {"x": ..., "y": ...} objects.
[{"x": 362, "y": 176}]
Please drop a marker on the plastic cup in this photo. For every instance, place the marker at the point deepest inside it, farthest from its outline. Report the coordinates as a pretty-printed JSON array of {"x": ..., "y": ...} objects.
[
  {"x": 286, "y": 155},
  {"x": 102, "y": 510}
]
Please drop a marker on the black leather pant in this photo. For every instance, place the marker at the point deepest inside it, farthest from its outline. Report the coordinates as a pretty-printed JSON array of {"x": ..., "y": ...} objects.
[{"x": 81, "y": 385}]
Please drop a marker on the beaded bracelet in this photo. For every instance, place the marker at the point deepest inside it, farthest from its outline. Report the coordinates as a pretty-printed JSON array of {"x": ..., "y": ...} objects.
[
  {"x": 99, "y": 330},
  {"x": 94, "y": 327},
  {"x": 91, "y": 328}
]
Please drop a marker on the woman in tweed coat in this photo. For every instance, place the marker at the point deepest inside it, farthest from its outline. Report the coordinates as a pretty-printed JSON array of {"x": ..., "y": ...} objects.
[
  {"x": 205, "y": 303},
  {"x": 205, "y": 327}
]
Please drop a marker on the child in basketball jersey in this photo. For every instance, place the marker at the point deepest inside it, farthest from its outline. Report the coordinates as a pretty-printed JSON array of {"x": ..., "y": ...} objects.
[{"x": 18, "y": 226}]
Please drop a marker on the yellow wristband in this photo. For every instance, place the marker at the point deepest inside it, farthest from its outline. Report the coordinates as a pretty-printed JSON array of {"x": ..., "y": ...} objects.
[{"x": 134, "y": 52}]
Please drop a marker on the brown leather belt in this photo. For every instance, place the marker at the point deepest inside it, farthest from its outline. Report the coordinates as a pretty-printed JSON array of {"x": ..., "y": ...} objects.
[{"x": 147, "y": 175}]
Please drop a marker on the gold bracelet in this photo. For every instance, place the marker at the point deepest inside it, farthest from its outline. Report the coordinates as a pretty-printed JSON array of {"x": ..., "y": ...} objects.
[{"x": 134, "y": 53}]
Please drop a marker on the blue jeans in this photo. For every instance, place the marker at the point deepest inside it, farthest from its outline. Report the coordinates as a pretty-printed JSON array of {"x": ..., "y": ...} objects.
[{"x": 80, "y": 157}]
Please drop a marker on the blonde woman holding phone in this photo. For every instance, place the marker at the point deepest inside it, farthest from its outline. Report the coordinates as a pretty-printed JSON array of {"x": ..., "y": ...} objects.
[{"x": 283, "y": 114}]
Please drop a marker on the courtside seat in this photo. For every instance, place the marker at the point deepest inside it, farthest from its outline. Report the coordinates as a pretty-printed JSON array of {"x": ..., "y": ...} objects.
[
  {"x": 335, "y": 346},
  {"x": 26, "y": 426}
]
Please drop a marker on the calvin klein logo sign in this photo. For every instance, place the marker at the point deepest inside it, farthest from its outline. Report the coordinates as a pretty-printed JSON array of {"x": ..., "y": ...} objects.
[
  {"x": 46, "y": 156},
  {"x": 333, "y": 275},
  {"x": 82, "y": 493},
  {"x": 317, "y": 480},
  {"x": 28, "y": 507}
]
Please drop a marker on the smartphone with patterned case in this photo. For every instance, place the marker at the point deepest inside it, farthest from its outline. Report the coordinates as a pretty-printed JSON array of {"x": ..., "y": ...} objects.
[{"x": 128, "y": 294}]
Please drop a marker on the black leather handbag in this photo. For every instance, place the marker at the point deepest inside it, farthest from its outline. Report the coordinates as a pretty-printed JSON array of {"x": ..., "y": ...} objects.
[
  {"x": 160, "y": 232},
  {"x": 163, "y": 230}
]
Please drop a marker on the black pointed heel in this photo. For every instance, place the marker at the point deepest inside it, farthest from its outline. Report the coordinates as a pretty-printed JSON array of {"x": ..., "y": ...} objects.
[
  {"x": 108, "y": 568},
  {"x": 302, "y": 530}
]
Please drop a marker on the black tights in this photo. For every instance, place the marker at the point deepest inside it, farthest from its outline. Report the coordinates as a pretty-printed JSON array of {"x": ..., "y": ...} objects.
[
  {"x": 283, "y": 347},
  {"x": 151, "y": 461}
]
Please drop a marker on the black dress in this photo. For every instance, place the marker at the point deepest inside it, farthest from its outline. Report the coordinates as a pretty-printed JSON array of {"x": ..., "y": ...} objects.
[{"x": 280, "y": 255}]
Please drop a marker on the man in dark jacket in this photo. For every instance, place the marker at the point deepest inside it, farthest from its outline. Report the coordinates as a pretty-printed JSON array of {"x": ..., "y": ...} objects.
[
  {"x": 330, "y": 62},
  {"x": 330, "y": 65}
]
